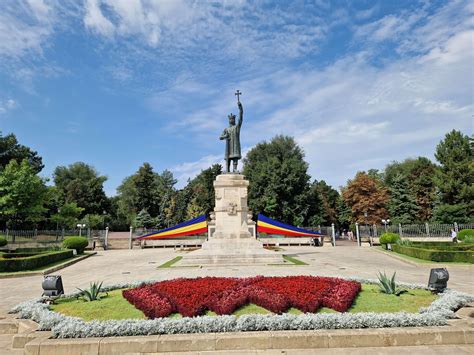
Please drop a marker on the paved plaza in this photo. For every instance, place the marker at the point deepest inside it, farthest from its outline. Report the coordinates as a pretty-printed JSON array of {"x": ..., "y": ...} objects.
[{"x": 141, "y": 264}]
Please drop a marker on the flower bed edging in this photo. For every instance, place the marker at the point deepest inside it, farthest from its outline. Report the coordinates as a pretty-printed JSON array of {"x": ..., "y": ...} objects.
[{"x": 70, "y": 327}]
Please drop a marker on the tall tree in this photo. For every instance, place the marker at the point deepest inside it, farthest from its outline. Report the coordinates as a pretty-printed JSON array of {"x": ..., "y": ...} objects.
[
  {"x": 455, "y": 178},
  {"x": 323, "y": 202},
  {"x": 146, "y": 184},
  {"x": 199, "y": 193},
  {"x": 279, "y": 182},
  {"x": 10, "y": 149},
  {"x": 419, "y": 173},
  {"x": 402, "y": 205},
  {"x": 364, "y": 195},
  {"x": 82, "y": 184},
  {"x": 22, "y": 194}
]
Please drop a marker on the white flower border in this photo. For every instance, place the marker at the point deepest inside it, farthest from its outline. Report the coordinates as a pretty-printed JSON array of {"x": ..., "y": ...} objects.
[{"x": 62, "y": 326}]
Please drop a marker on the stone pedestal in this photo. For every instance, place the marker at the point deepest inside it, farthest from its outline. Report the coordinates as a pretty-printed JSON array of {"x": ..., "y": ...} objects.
[{"x": 231, "y": 243}]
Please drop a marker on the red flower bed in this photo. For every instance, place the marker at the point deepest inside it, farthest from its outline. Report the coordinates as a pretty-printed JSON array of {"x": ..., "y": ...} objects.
[{"x": 223, "y": 295}]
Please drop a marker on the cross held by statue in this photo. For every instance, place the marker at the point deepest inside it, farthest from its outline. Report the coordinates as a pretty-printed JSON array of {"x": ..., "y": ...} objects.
[{"x": 238, "y": 93}]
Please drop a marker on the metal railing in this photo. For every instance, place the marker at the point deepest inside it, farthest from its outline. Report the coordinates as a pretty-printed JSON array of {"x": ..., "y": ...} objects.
[{"x": 14, "y": 236}]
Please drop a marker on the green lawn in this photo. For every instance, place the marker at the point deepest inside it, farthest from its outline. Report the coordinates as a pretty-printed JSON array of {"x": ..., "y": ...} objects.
[{"x": 114, "y": 306}]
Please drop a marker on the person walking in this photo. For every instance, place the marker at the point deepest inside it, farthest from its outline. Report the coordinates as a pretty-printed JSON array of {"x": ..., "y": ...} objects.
[{"x": 454, "y": 236}]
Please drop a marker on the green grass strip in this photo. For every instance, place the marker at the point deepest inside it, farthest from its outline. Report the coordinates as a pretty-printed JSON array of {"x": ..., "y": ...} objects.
[
  {"x": 169, "y": 263},
  {"x": 294, "y": 260}
]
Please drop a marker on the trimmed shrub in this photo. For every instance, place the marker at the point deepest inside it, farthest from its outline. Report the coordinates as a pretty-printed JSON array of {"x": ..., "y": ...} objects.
[
  {"x": 3, "y": 241},
  {"x": 33, "y": 262},
  {"x": 436, "y": 255},
  {"x": 469, "y": 239},
  {"x": 391, "y": 238},
  {"x": 463, "y": 234},
  {"x": 78, "y": 243}
]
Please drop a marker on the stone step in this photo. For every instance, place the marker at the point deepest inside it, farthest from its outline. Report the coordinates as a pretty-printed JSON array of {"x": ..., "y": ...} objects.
[{"x": 8, "y": 326}]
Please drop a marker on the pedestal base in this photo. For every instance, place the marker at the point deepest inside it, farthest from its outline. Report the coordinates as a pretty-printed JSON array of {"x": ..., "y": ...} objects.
[
  {"x": 241, "y": 251},
  {"x": 231, "y": 243}
]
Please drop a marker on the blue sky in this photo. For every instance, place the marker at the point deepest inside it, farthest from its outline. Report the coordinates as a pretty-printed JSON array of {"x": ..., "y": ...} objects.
[{"x": 116, "y": 83}]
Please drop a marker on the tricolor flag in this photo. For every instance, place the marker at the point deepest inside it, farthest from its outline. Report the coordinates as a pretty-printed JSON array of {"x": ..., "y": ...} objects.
[
  {"x": 270, "y": 226},
  {"x": 197, "y": 225}
]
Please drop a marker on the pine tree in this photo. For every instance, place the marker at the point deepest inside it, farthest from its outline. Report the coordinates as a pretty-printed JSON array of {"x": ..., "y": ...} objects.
[
  {"x": 402, "y": 205},
  {"x": 455, "y": 179},
  {"x": 143, "y": 219}
]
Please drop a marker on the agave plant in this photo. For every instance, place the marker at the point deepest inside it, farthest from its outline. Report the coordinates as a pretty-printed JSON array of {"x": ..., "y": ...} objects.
[
  {"x": 389, "y": 285},
  {"x": 92, "y": 293}
]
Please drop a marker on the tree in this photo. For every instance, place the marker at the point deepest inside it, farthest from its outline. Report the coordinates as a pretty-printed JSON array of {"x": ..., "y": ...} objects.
[
  {"x": 143, "y": 220},
  {"x": 150, "y": 191},
  {"x": 419, "y": 173},
  {"x": 402, "y": 205},
  {"x": 279, "y": 182},
  {"x": 363, "y": 195},
  {"x": 22, "y": 194},
  {"x": 455, "y": 178},
  {"x": 82, "y": 184},
  {"x": 10, "y": 150},
  {"x": 199, "y": 192},
  {"x": 323, "y": 202},
  {"x": 344, "y": 213},
  {"x": 67, "y": 215},
  {"x": 146, "y": 185}
]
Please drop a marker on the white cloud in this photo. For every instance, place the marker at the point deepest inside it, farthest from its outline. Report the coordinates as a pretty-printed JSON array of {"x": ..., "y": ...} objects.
[
  {"x": 189, "y": 170},
  {"x": 95, "y": 20},
  {"x": 7, "y": 105}
]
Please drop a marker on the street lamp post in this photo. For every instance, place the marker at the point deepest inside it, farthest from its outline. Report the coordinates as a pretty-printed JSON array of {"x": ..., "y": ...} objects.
[
  {"x": 385, "y": 222},
  {"x": 103, "y": 219},
  {"x": 80, "y": 228}
]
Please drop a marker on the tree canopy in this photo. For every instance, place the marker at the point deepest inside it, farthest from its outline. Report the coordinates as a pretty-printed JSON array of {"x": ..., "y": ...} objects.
[
  {"x": 82, "y": 184},
  {"x": 10, "y": 150},
  {"x": 279, "y": 182}
]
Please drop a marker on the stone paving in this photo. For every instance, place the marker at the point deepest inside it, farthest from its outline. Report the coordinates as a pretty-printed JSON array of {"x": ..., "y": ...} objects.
[{"x": 114, "y": 266}]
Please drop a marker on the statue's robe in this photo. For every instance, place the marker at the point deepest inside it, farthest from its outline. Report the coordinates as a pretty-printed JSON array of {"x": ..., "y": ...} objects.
[{"x": 232, "y": 135}]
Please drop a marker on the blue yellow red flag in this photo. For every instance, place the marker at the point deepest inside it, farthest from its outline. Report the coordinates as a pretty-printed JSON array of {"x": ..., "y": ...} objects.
[
  {"x": 196, "y": 225},
  {"x": 271, "y": 226}
]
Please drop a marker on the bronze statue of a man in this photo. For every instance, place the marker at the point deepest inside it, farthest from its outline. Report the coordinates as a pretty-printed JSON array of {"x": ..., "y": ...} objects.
[{"x": 232, "y": 136}]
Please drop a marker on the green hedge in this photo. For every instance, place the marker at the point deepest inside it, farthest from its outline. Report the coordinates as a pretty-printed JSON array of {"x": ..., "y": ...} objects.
[
  {"x": 443, "y": 245},
  {"x": 33, "y": 262},
  {"x": 78, "y": 243},
  {"x": 466, "y": 233},
  {"x": 21, "y": 255},
  {"x": 435, "y": 255},
  {"x": 3, "y": 241}
]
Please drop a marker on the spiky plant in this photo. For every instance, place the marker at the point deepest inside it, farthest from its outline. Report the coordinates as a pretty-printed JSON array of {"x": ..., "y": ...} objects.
[
  {"x": 92, "y": 293},
  {"x": 389, "y": 285}
]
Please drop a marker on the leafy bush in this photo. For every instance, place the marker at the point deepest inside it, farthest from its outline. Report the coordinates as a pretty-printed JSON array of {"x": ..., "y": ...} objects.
[
  {"x": 436, "y": 255},
  {"x": 389, "y": 286},
  {"x": 93, "y": 293},
  {"x": 78, "y": 243},
  {"x": 469, "y": 239},
  {"x": 463, "y": 234},
  {"x": 3, "y": 241},
  {"x": 33, "y": 262},
  {"x": 391, "y": 238}
]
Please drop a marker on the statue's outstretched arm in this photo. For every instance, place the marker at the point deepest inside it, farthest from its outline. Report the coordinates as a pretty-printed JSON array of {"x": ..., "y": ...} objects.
[{"x": 241, "y": 113}]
